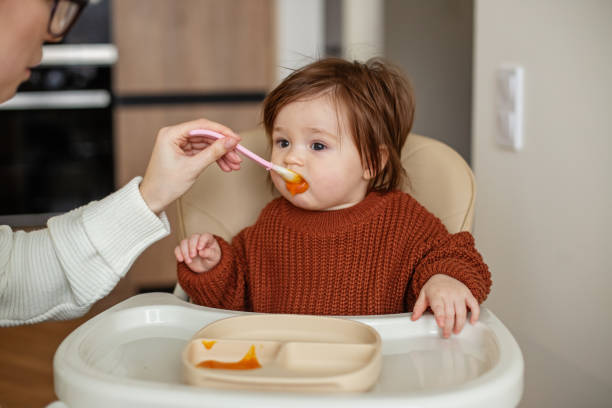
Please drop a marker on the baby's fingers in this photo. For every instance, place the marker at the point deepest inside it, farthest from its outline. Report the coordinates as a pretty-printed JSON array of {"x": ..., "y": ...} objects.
[
  {"x": 184, "y": 245},
  {"x": 437, "y": 307},
  {"x": 206, "y": 240},
  {"x": 178, "y": 254},
  {"x": 208, "y": 253},
  {"x": 449, "y": 319},
  {"x": 419, "y": 306},
  {"x": 193, "y": 245},
  {"x": 474, "y": 307},
  {"x": 460, "y": 316}
]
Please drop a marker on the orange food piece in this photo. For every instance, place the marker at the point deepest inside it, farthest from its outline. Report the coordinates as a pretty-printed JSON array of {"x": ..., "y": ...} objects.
[
  {"x": 297, "y": 188},
  {"x": 208, "y": 344},
  {"x": 248, "y": 362}
]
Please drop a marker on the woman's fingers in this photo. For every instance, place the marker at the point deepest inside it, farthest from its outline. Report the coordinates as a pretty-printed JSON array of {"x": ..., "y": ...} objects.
[
  {"x": 215, "y": 151},
  {"x": 229, "y": 162},
  {"x": 202, "y": 123},
  {"x": 233, "y": 157},
  {"x": 199, "y": 143},
  {"x": 223, "y": 165},
  {"x": 214, "y": 126},
  {"x": 232, "y": 162},
  {"x": 177, "y": 160}
]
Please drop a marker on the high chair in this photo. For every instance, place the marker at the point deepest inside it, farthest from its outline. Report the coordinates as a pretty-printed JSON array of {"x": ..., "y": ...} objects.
[
  {"x": 223, "y": 204},
  {"x": 130, "y": 354}
]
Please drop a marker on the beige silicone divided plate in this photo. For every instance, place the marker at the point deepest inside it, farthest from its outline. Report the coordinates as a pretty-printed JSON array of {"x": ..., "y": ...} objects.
[{"x": 296, "y": 353}]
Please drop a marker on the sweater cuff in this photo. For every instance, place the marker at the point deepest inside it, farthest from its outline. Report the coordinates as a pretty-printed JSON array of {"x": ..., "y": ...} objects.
[
  {"x": 477, "y": 281},
  {"x": 121, "y": 226}
]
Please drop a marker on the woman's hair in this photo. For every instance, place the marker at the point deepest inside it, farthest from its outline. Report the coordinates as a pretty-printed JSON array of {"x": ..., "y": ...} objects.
[{"x": 377, "y": 101}]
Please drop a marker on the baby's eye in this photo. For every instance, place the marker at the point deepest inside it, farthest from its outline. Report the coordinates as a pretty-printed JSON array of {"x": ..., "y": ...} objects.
[
  {"x": 282, "y": 143},
  {"x": 317, "y": 146}
]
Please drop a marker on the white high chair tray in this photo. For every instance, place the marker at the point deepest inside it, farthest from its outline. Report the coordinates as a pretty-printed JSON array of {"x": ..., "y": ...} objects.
[{"x": 130, "y": 356}]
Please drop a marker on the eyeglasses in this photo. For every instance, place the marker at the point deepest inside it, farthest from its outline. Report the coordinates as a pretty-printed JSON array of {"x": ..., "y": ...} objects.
[{"x": 63, "y": 15}]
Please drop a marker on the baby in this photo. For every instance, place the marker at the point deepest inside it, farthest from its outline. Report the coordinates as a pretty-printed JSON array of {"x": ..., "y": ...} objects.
[{"x": 352, "y": 243}]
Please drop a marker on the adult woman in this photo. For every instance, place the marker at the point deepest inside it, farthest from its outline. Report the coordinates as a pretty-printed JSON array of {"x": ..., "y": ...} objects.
[{"x": 60, "y": 271}]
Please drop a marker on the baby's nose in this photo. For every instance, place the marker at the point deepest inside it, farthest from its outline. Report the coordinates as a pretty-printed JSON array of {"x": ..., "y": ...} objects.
[{"x": 293, "y": 156}]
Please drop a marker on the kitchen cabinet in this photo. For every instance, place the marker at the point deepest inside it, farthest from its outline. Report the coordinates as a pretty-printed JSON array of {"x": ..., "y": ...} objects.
[
  {"x": 193, "y": 45},
  {"x": 181, "y": 60}
]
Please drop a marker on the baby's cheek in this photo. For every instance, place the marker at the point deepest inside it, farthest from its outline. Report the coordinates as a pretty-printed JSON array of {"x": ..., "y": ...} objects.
[
  {"x": 278, "y": 182},
  {"x": 279, "y": 185},
  {"x": 325, "y": 186}
]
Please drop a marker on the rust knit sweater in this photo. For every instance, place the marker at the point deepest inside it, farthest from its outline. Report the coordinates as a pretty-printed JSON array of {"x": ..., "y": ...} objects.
[{"x": 372, "y": 258}]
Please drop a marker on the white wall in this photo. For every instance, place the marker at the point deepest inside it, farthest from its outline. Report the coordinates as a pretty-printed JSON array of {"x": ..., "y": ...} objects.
[
  {"x": 300, "y": 34},
  {"x": 300, "y": 31},
  {"x": 543, "y": 216},
  {"x": 362, "y": 29},
  {"x": 432, "y": 41}
]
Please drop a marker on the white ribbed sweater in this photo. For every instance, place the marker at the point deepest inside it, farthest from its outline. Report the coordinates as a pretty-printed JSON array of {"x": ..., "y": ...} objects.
[{"x": 59, "y": 272}]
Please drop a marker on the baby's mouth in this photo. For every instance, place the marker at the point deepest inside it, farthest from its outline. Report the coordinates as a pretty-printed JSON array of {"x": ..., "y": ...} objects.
[{"x": 298, "y": 187}]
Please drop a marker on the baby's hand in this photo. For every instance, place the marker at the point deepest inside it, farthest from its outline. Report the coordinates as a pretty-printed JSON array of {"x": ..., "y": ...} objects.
[
  {"x": 447, "y": 298},
  {"x": 201, "y": 253}
]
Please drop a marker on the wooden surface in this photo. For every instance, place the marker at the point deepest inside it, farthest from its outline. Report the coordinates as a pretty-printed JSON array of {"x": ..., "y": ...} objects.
[
  {"x": 135, "y": 131},
  {"x": 193, "y": 46},
  {"x": 26, "y": 354}
]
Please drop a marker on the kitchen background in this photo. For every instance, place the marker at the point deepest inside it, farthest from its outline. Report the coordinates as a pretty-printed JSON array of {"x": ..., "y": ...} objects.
[{"x": 542, "y": 219}]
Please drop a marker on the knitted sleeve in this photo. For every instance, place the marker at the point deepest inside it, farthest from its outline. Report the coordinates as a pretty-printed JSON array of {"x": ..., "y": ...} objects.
[
  {"x": 60, "y": 271},
  {"x": 454, "y": 255},
  {"x": 224, "y": 286}
]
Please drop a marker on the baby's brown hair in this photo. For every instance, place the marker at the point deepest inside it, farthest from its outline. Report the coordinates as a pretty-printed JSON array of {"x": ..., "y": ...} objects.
[{"x": 378, "y": 102}]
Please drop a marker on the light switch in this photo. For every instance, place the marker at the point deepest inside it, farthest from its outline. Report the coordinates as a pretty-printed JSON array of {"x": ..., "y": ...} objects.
[{"x": 509, "y": 106}]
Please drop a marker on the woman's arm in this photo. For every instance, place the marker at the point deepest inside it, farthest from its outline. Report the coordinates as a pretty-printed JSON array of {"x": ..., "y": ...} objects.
[{"x": 60, "y": 271}]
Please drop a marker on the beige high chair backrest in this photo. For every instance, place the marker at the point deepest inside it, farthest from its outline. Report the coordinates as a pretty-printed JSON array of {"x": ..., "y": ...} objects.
[{"x": 224, "y": 203}]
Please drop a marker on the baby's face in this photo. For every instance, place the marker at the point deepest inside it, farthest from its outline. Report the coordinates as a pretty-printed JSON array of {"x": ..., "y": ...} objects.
[{"x": 308, "y": 139}]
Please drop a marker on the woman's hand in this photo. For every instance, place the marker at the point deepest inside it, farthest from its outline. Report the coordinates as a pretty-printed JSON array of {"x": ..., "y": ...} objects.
[
  {"x": 447, "y": 298},
  {"x": 178, "y": 159},
  {"x": 201, "y": 252}
]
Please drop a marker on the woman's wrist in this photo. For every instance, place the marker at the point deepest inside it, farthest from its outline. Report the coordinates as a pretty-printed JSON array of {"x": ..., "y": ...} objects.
[{"x": 150, "y": 198}]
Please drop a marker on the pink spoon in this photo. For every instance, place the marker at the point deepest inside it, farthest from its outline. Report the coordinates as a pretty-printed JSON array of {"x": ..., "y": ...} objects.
[{"x": 288, "y": 175}]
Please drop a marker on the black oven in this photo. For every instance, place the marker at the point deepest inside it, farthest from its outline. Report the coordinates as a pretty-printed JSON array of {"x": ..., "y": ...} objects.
[{"x": 56, "y": 150}]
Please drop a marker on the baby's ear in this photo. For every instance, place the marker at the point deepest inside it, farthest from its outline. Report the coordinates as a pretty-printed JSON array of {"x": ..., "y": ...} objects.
[{"x": 368, "y": 173}]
